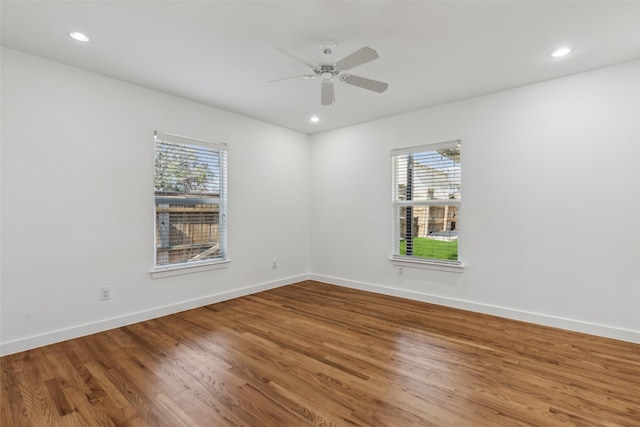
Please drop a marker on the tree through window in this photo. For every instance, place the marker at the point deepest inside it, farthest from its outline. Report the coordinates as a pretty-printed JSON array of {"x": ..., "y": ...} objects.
[{"x": 190, "y": 200}]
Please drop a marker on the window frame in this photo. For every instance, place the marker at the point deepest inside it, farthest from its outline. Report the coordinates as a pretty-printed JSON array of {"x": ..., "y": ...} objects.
[
  {"x": 396, "y": 204},
  {"x": 184, "y": 267}
]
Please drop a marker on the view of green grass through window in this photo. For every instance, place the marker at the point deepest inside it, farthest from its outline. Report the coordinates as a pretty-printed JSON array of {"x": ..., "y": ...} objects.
[
  {"x": 428, "y": 248},
  {"x": 426, "y": 201}
]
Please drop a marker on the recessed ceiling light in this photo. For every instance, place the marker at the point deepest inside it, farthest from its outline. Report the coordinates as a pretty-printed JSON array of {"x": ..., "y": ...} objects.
[
  {"x": 561, "y": 52},
  {"x": 79, "y": 37},
  {"x": 315, "y": 119}
]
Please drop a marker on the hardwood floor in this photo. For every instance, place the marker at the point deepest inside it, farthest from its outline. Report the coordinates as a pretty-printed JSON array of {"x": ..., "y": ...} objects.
[{"x": 316, "y": 354}]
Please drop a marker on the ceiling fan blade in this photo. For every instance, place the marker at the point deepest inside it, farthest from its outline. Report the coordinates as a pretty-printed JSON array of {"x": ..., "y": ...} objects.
[
  {"x": 358, "y": 57},
  {"x": 296, "y": 56},
  {"x": 327, "y": 92},
  {"x": 369, "y": 84},
  {"x": 305, "y": 76}
]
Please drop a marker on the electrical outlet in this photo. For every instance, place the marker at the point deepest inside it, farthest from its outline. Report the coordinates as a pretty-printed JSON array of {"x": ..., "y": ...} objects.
[
  {"x": 105, "y": 293},
  {"x": 274, "y": 264},
  {"x": 400, "y": 271}
]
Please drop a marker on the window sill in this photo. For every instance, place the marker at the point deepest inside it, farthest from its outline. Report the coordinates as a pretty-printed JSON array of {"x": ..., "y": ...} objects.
[
  {"x": 177, "y": 270},
  {"x": 428, "y": 265}
]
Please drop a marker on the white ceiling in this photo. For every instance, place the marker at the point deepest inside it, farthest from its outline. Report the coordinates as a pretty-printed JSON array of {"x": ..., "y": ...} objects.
[{"x": 222, "y": 53}]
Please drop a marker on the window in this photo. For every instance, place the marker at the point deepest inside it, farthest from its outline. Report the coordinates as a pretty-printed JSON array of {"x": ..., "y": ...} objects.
[
  {"x": 190, "y": 200},
  {"x": 426, "y": 202}
]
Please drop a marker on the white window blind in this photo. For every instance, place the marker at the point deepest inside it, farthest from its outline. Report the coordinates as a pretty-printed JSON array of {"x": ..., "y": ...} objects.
[
  {"x": 426, "y": 202},
  {"x": 190, "y": 200}
]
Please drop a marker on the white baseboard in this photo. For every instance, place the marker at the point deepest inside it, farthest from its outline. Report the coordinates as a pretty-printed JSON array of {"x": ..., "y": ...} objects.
[
  {"x": 509, "y": 313},
  {"x": 34, "y": 341}
]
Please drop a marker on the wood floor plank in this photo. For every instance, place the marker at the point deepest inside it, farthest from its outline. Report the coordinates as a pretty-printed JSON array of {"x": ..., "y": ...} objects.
[
  {"x": 14, "y": 412},
  {"x": 37, "y": 401},
  {"x": 312, "y": 354}
]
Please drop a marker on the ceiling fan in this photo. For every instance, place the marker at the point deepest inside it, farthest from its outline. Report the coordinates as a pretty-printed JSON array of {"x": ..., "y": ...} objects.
[{"x": 329, "y": 71}]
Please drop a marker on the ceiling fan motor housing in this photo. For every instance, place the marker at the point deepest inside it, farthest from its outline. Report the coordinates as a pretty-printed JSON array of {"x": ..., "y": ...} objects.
[{"x": 325, "y": 68}]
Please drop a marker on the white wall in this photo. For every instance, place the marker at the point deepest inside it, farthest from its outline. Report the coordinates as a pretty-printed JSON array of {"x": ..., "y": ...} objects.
[
  {"x": 77, "y": 202},
  {"x": 551, "y": 202}
]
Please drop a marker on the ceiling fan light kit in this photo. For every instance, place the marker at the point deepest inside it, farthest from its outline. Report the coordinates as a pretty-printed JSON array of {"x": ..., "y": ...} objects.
[{"x": 328, "y": 70}]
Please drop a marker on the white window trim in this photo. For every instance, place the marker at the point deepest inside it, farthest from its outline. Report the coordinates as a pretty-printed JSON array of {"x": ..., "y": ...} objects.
[
  {"x": 426, "y": 147},
  {"x": 424, "y": 263},
  {"x": 427, "y": 264},
  {"x": 194, "y": 266}
]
